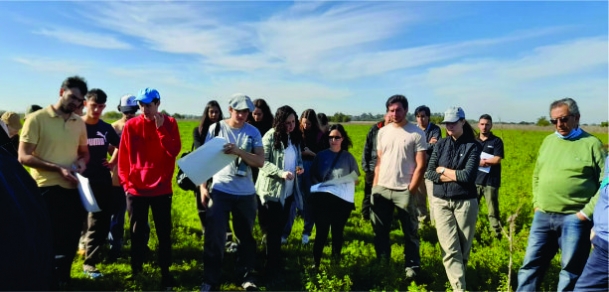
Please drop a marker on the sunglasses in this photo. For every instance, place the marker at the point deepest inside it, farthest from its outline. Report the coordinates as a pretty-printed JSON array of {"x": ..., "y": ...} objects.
[
  {"x": 561, "y": 119},
  {"x": 335, "y": 137}
]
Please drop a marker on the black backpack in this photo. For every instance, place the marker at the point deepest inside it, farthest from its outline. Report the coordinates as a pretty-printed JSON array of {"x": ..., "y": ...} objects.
[{"x": 183, "y": 181}]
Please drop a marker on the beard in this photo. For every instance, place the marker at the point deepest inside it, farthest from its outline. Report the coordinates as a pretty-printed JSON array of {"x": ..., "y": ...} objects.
[{"x": 67, "y": 108}]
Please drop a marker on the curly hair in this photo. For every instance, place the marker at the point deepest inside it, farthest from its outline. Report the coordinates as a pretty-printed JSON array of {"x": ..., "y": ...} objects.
[{"x": 281, "y": 136}]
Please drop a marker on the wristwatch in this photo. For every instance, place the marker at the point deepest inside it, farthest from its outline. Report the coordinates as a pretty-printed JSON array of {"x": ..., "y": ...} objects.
[{"x": 443, "y": 170}]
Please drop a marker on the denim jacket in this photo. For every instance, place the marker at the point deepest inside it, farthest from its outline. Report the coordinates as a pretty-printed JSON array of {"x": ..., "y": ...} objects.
[{"x": 270, "y": 186}]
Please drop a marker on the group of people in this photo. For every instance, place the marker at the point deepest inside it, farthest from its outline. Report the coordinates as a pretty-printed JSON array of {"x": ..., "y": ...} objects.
[{"x": 286, "y": 163}]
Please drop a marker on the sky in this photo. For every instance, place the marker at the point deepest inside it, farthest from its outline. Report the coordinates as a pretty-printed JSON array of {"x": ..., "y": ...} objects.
[{"x": 506, "y": 59}]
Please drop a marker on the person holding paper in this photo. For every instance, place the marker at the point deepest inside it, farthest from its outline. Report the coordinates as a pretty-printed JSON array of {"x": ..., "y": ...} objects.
[
  {"x": 100, "y": 135},
  {"x": 53, "y": 144},
  {"x": 233, "y": 192},
  {"x": 399, "y": 170},
  {"x": 148, "y": 149},
  {"x": 211, "y": 114},
  {"x": 278, "y": 184},
  {"x": 433, "y": 133},
  {"x": 332, "y": 203},
  {"x": 453, "y": 167},
  {"x": 489, "y": 173}
]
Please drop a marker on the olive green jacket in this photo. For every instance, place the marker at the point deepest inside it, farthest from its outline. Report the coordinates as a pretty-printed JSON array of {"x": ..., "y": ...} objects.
[{"x": 270, "y": 185}]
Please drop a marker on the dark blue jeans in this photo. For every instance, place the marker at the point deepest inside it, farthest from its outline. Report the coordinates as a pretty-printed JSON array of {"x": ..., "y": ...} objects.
[
  {"x": 243, "y": 209},
  {"x": 595, "y": 276},
  {"x": 549, "y": 232}
]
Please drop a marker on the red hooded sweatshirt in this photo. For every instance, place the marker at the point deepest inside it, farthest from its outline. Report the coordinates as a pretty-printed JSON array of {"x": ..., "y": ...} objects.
[{"x": 147, "y": 155}]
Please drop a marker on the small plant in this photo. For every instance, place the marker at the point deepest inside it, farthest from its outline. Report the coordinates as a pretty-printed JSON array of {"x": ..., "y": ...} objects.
[{"x": 323, "y": 282}]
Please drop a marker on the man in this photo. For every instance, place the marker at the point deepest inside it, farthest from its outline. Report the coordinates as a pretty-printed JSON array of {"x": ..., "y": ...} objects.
[
  {"x": 53, "y": 144},
  {"x": 148, "y": 149},
  {"x": 232, "y": 193},
  {"x": 369, "y": 163},
  {"x": 433, "y": 133},
  {"x": 566, "y": 176},
  {"x": 489, "y": 173},
  {"x": 399, "y": 169},
  {"x": 128, "y": 107},
  {"x": 9, "y": 139},
  {"x": 100, "y": 135}
]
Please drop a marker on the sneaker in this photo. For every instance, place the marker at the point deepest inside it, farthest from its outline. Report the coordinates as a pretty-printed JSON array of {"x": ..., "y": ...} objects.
[
  {"x": 231, "y": 247},
  {"x": 305, "y": 239},
  {"x": 411, "y": 273},
  {"x": 249, "y": 286},
  {"x": 92, "y": 272},
  {"x": 284, "y": 240}
]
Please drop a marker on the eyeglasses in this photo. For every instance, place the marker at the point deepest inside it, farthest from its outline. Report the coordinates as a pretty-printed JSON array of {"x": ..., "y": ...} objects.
[
  {"x": 334, "y": 137},
  {"x": 561, "y": 119}
]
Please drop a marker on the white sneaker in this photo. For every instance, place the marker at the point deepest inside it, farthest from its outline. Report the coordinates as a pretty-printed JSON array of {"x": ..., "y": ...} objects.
[
  {"x": 284, "y": 240},
  {"x": 305, "y": 239},
  {"x": 249, "y": 286}
]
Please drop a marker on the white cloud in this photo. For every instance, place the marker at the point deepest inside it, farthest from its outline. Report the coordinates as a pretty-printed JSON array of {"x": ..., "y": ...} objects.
[
  {"x": 88, "y": 39},
  {"x": 42, "y": 64}
]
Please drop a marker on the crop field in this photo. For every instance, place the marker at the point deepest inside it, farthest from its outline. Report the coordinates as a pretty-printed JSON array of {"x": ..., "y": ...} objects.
[{"x": 488, "y": 267}]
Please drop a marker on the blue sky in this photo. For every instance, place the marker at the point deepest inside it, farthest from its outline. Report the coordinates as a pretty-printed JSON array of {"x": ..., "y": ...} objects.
[{"x": 508, "y": 59}]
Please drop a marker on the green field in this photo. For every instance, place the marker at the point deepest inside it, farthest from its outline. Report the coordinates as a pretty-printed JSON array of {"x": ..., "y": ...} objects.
[{"x": 487, "y": 269}]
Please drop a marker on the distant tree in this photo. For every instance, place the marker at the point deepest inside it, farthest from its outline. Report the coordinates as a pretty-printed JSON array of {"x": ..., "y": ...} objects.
[
  {"x": 436, "y": 118},
  {"x": 340, "y": 118},
  {"x": 542, "y": 121},
  {"x": 605, "y": 124},
  {"x": 178, "y": 116},
  {"x": 112, "y": 115},
  {"x": 165, "y": 112}
]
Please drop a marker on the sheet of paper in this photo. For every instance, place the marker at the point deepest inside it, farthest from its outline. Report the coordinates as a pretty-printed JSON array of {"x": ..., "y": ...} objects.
[
  {"x": 86, "y": 194},
  {"x": 206, "y": 161},
  {"x": 352, "y": 177},
  {"x": 484, "y": 155}
]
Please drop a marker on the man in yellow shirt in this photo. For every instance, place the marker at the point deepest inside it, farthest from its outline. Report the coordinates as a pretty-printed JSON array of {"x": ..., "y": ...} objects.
[{"x": 53, "y": 144}]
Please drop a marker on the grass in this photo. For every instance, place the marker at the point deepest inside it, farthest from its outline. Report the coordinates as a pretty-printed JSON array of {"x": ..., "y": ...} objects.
[{"x": 487, "y": 269}]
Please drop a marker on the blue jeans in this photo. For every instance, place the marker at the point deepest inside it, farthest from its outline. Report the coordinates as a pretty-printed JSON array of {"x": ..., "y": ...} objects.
[
  {"x": 595, "y": 276},
  {"x": 549, "y": 232}
]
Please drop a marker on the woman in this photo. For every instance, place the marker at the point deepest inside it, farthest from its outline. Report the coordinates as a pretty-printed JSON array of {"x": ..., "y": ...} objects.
[
  {"x": 452, "y": 168},
  {"x": 262, "y": 119},
  {"x": 332, "y": 204},
  {"x": 311, "y": 144},
  {"x": 277, "y": 184},
  {"x": 211, "y": 114}
]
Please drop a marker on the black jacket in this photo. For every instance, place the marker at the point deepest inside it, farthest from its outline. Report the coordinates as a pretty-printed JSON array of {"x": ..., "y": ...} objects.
[
  {"x": 460, "y": 155},
  {"x": 369, "y": 156}
]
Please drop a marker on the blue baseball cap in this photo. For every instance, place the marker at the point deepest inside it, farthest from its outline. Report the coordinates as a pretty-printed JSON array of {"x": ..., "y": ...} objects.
[{"x": 147, "y": 94}]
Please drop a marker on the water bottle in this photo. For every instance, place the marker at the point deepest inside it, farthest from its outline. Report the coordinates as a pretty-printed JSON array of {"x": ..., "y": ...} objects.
[{"x": 242, "y": 166}]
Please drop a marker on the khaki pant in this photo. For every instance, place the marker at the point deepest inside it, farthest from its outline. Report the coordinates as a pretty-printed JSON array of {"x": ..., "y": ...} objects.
[
  {"x": 456, "y": 226},
  {"x": 425, "y": 191}
]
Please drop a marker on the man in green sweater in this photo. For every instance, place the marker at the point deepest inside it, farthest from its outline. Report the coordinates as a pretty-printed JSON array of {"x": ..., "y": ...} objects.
[{"x": 566, "y": 178}]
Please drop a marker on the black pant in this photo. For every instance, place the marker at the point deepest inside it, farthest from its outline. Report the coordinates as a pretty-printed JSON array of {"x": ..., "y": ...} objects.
[
  {"x": 369, "y": 179},
  {"x": 138, "y": 226},
  {"x": 329, "y": 211},
  {"x": 98, "y": 222},
  {"x": 243, "y": 209},
  {"x": 277, "y": 218},
  {"x": 66, "y": 214}
]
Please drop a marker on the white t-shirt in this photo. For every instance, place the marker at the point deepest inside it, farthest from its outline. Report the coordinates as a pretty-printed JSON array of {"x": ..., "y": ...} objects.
[
  {"x": 226, "y": 179},
  {"x": 289, "y": 164},
  {"x": 398, "y": 147}
]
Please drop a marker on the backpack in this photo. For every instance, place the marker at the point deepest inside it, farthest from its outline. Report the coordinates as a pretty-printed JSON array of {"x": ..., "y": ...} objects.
[{"x": 183, "y": 181}]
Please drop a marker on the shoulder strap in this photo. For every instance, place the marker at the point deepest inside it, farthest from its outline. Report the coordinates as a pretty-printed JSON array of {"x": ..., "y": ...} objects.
[
  {"x": 332, "y": 165},
  {"x": 217, "y": 129}
]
